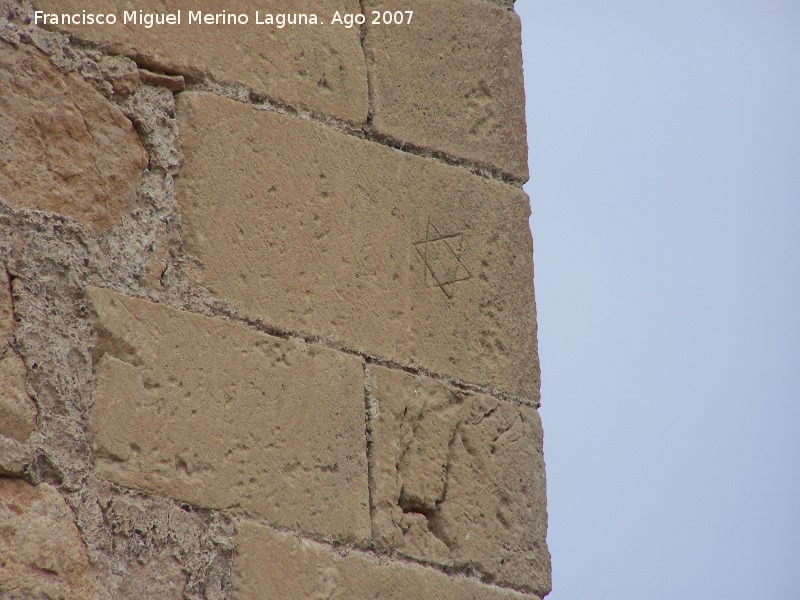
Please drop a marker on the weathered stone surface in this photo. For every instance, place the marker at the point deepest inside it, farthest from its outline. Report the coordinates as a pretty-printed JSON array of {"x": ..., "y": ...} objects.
[
  {"x": 379, "y": 250},
  {"x": 65, "y": 148},
  {"x": 174, "y": 83},
  {"x": 451, "y": 80},
  {"x": 277, "y": 565},
  {"x": 41, "y": 552},
  {"x": 121, "y": 73},
  {"x": 164, "y": 551},
  {"x": 14, "y": 457},
  {"x": 164, "y": 580},
  {"x": 458, "y": 479},
  {"x": 17, "y": 410},
  {"x": 319, "y": 68},
  {"x": 224, "y": 417}
]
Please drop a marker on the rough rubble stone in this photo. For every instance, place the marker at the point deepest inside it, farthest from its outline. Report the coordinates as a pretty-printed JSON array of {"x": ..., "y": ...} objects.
[
  {"x": 278, "y": 565},
  {"x": 121, "y": 73},
  {"x": 458, "y": 479},
  {"x": 223, "y": 417},
  {"x": 163, "y": 550},
  {"x": 14, "y": 456},
  {"x": 65, "y": 149},
  {"x": 317, "y": 68},
  {"x": 451, "y": 81},
  {"x": 174, "y": 83},
  {"x": 41, "y": 552},
  {"x": 17, "y": 410},
  {"x": 164, "y": 580},
  {"x": 324, "y": 233}
]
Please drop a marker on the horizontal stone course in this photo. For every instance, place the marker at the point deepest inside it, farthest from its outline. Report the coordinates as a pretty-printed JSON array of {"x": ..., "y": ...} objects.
[
  {"x": 457, "y": 479},
  {"x": 450, "y": 81},
  {"x": 223, "y": 417},
  {"x": 316, "y": 68},
  {"x": 381, "y": 251},
  {"x": 278, "y": 565}
]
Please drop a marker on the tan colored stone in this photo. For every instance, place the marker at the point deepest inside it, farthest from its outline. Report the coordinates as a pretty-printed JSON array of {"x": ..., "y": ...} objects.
[
  {"x": 14, "y": 456},
  {"x": 458, "y": 479},
  {"x": 17, "y": 410},
  {"x": 451, "y": 81},
  {"x": 223, "y": 417},
  {"x": 318, "y": 68},
  {"x": 6, "y": 307},
  {"x": 41, "y": 552},
  {"x": 121, "y": 73},
  {"x": 157, "y": 261},
  {"x": 174, "y": 83},
  {"x": 278, "y": 565},
  {"x": 376, "y": 249},
  {"x": 65, "y": 148}
]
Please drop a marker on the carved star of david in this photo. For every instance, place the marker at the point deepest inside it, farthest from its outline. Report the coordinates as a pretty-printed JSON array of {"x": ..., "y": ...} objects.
[{"x": 442, "y": 257}]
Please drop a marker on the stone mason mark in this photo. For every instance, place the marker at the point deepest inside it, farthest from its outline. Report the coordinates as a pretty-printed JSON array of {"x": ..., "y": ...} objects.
[{"x": 442, "y": 257}]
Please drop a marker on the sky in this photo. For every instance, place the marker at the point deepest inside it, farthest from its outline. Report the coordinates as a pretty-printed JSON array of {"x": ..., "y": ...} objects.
[{"x": 664, "y": 146}]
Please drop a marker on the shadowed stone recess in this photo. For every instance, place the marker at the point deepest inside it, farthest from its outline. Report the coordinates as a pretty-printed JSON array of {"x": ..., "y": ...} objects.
[{"x": 224, "y": 417}]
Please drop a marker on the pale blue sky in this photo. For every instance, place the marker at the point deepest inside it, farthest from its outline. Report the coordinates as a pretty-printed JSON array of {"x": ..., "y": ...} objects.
[{"x": 665, "y": 158}]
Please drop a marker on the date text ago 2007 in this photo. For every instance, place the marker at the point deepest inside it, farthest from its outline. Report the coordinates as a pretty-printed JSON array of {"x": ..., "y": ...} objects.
[{"x": 376, "y": 17}]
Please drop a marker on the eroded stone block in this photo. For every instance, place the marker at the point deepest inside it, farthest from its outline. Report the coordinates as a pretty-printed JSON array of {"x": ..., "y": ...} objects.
[
  {"x": 17, "y": 410},
  {"x": 318, "y": 68},
  {"x": 41, "y": 552},
  {"x": 223, "y": 417},
  {"x": 451, "y": 80},
  {"x": 65, "y": 149},
  {"x": 277, "y": 565},
  {"x": 458, "y": 479},
  {"x": 14, "y": 456},
  {"x": 376, "y": 249}
]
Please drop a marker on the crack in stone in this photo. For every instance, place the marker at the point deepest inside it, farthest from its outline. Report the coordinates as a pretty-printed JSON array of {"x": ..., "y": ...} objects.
[
  {"x": 362, "y": 34},
  {"x": 370, "y": 409},
  {"x": 223, "y": 310}
]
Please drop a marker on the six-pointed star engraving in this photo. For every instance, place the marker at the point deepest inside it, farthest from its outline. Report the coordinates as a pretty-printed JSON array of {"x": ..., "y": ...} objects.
[{"x": 442, "y": 257}]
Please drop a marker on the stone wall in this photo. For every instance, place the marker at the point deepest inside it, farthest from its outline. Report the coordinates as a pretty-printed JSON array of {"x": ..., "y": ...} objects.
[{"x": 267, "y": 324}]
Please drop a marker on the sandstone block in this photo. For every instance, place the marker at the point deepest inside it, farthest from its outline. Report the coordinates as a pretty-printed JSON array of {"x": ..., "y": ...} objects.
[
  {"x": 65, "y": 149},
  {"x": 318, "y": 68},
  {"x": 451, "y": 80},
  {"x": 458, "y": 479},
  {"x": 277, "y": 565},
  {"x": 41, "y": 552},
  {"x": 223, "y": 417},
  {"x": 376, "y": 249}
]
